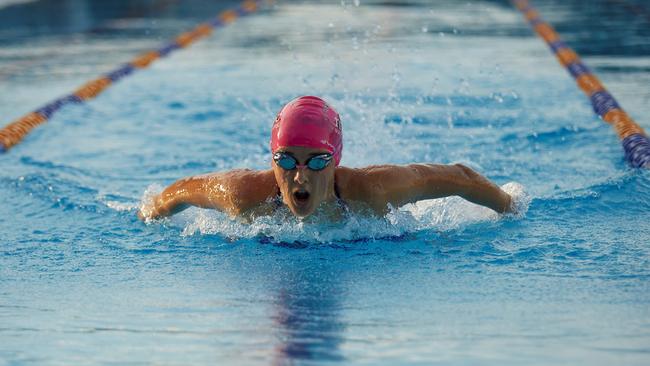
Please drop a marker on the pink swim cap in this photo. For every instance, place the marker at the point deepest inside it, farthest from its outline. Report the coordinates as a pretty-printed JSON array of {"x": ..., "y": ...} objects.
[{"x": 308, "y": 122}]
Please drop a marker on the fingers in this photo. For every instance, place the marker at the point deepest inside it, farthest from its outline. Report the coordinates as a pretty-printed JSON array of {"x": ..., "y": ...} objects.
[{"x": 141, "y": 216}]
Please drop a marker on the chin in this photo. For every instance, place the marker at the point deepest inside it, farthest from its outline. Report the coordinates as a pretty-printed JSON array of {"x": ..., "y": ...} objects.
[{"x": 301, "y": 212}]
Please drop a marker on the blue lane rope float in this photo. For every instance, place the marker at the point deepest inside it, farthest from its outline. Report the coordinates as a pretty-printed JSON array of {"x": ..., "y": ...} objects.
[
  {"x": 15, "y": 131},
  {"x": 634, "y": 140}
]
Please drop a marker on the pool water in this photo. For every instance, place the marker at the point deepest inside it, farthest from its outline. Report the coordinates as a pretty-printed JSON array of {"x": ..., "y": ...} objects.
[{"x": 83, "y": 281}]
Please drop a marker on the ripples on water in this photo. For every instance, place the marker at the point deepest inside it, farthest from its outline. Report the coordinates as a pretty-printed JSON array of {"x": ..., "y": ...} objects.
[{"x": 442, "y": 281}]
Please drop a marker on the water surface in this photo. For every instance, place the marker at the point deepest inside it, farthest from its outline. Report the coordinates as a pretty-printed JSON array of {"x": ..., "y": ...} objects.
[{"x": 443, "y": 282}]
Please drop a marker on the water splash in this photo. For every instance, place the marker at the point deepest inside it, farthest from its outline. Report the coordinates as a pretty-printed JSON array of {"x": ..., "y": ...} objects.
[
  {"x": 443, "y": 214},
  {"x": 146, "y": 203}
]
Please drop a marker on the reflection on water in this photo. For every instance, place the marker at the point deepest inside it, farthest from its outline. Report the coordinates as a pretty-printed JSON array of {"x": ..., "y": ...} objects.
[{"x": 308, "y": 320}]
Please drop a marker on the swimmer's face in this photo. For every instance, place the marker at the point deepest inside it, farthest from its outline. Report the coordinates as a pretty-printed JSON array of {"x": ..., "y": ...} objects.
[{"x": 303, "y": 189}]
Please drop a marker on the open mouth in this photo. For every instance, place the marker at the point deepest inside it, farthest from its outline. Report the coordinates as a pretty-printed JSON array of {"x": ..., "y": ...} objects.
[{"x": 301, "y": 196}]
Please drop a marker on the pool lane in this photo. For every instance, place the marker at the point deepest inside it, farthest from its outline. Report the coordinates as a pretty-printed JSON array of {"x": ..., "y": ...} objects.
[
  {"x": 633, "y": 138},
  {"x": 15, "y": 132}
]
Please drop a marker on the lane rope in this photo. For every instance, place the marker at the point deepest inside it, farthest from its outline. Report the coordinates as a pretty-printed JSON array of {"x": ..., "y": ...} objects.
[
  {"x": 634, "y": 140},
  {"x": 16, "y": 68},
  {"x": 14, "y": 132}
]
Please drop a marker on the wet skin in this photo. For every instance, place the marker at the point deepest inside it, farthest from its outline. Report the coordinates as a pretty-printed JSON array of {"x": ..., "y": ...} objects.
[
  {"x": 248, "y": 193},
  {"x": 303, "y": 189}
]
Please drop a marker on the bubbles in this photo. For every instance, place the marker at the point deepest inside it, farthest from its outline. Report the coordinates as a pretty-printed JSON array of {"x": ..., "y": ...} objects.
[{"x": 498, "y": 97}]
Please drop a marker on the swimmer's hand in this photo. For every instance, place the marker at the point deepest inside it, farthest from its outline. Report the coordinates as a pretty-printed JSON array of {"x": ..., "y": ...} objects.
[
  {"x": 478, "y": 189},
  {"x": 519, "y": 199},
  {"x": 141, "y": 216},
  {"x": 149, "y": 210},
  {"x": 144, "y": 215},
  {"x": 191, "y": 191},
  {"x": 509, "y": 204}
]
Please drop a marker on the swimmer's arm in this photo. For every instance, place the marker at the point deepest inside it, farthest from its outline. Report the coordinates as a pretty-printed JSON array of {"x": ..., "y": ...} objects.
[
  {"x": 233, "y": 192},
  {"x": 399, "y": 185}
]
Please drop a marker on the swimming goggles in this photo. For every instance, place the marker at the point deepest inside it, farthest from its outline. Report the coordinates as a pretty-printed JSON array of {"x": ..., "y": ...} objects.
[{"x": 315, "y": 163}]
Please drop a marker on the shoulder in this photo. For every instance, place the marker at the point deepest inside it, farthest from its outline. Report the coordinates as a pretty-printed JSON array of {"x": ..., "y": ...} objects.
[
  {"x": 361, "y": 184},
  {"x": 244, "y": 188},
  {"x": 250, "y": 176},
  {"x": 248, "y": 181}
]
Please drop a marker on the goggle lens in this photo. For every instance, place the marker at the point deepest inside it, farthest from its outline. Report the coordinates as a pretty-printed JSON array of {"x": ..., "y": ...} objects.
[
  {"x": 317, "y": 163},
  {"x": 288, "y": 162}
]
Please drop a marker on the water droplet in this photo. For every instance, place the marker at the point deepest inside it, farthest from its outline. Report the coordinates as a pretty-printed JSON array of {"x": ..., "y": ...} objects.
[
  {"x": 450, "y": 121},
  {"x": 497, "y": 97},
  {"x": 396, "y": 76}
]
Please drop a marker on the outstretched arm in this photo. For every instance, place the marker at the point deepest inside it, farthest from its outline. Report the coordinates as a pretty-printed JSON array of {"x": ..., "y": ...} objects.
[
  {"x": 233, "y": 192},
  {"x": 399, "y": 185}
]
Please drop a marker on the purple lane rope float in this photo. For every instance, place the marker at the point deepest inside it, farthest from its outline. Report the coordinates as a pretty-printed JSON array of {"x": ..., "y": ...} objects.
[
  {"x": 15, "y": 131},
  {"x": 634, "y": 140}
]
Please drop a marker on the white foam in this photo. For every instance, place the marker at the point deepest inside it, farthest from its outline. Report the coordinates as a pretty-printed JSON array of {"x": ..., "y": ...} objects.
[{"x": 121, "y": 206}]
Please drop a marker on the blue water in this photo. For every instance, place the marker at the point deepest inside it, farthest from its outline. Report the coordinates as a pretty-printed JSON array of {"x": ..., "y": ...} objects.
[{"x": 82, "y": 281}]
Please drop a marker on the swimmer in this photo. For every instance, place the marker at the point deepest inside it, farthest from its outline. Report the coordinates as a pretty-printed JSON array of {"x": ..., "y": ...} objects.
[{"x": 306, "y": 147}]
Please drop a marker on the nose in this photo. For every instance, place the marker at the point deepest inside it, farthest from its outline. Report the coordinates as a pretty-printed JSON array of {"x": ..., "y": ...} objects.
[{"x": 301, "y": 175}]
